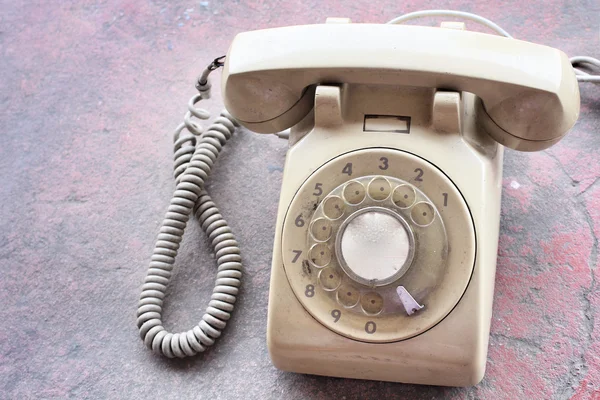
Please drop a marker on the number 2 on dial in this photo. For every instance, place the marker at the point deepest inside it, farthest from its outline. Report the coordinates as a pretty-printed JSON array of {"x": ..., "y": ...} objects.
[{"x": 419, "y": 177}]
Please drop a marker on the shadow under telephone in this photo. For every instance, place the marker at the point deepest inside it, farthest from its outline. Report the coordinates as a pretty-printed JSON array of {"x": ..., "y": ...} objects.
[{"x": 387, "y": 230}]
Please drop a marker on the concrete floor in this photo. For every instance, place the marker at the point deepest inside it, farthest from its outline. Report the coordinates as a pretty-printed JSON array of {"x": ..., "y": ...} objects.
[{"x": 90, "y": 93}]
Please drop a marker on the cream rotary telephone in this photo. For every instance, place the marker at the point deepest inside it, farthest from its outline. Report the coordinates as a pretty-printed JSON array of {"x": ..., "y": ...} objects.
[{"x": 387, "y": 231}]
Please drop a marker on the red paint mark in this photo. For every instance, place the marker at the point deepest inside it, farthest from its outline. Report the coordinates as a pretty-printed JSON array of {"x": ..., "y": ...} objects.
[
  {"x": 526, "y": 251},
  {"x": 516, "y": 228},
  {"x": 568, "y": 247},
  {"x": 506, "y": 245},
  {"x": 541, "y": 169},
  {"x": 510, "y": 372}
]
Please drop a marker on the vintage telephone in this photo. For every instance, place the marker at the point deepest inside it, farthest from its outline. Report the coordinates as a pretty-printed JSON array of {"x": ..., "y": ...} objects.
[{"x": 387, "y": 231}]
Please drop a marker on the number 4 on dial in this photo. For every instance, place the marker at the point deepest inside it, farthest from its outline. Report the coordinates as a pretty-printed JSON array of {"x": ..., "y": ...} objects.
[{"x": 347, "y": 169}]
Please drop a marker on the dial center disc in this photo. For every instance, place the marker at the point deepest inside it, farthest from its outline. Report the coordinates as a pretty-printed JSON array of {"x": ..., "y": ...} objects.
[{"x": 375, "y": 246}]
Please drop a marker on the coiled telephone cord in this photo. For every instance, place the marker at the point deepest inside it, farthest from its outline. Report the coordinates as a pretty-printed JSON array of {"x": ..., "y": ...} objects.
[{"x": 195, "y": 154}]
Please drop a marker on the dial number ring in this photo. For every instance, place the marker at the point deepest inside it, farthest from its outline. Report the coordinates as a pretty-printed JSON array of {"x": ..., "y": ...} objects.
[{"x": 369, "y": 313}]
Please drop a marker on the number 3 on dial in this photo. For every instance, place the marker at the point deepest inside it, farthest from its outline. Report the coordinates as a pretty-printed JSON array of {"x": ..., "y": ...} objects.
[{"x": 384, "y": 163}]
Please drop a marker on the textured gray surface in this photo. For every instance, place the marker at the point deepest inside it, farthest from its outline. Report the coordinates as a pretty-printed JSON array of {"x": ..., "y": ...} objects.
[{"x": 90, "y": 92}]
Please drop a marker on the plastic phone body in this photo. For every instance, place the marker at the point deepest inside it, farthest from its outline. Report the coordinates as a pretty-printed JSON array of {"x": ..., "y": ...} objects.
[{"x": 387, "y": 230}]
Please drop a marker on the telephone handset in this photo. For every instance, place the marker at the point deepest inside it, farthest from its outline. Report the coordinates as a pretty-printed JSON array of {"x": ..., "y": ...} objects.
[
  {"x": 529, "y": 92},
  {"x": 387, "y": 230}
]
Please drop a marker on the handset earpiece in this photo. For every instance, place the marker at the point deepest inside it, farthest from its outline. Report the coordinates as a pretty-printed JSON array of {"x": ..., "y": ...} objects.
[
  {"x": 529, "y": 92},
  {"x": 533, "y": 119}
]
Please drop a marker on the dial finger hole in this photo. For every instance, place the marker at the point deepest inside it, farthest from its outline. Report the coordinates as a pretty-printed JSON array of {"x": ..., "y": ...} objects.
[
  {"x": 379, "y": 189},
  {"x": 333, "y": 207},
  {"x": 320, "y": 255},
  {"x": 422, "y": 214},
  {"x": 321, "y": 229},
  {"x": 371, "y": 303},
  {"x": 404, "y": 196},
  {"x": 354, "y": 193},
  {"x": 348, "y": 296},
  {"x": 330, "y": 279}
]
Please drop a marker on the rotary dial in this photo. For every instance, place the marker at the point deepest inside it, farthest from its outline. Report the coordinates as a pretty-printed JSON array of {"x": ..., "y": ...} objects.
[{"x": 378, "y": 245}]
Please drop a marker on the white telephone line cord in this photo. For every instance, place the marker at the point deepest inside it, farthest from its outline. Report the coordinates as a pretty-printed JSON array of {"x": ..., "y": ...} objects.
[{"x": 577, "y": 62}]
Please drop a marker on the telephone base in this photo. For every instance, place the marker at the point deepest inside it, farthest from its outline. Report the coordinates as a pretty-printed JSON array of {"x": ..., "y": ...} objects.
[{"x": 315, "y": 328}]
